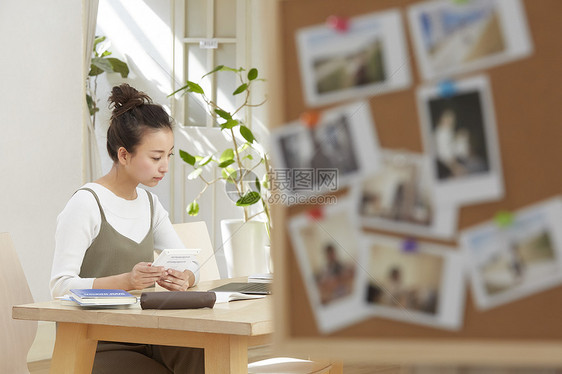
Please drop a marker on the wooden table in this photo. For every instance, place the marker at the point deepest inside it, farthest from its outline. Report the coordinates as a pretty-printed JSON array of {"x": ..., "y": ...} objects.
[{"x": 224, "y": 332}]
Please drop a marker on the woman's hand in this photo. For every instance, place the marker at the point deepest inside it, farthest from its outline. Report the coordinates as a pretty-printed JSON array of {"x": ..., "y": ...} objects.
[
  {"x": 144, "y": 275},
  {"x": 175, "y": 280}
]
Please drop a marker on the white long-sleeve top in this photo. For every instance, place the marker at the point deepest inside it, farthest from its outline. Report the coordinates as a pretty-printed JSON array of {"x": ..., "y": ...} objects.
[{"x": 79, "y": 224}]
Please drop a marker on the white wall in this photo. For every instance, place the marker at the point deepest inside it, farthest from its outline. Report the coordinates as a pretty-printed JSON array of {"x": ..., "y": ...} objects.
[{"x": 41, "y": 99}]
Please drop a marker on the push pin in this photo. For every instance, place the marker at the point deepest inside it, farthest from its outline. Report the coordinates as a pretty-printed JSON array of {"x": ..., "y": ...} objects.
[
  {"x": 504, "y": 219},
  {"x": 410, "y": 245},
  {"x": 316, "y": 214},
  {"x": 310, "y": 118},
  {"x": 340, "y": 24},
  {"x": 447, "y": 88}
]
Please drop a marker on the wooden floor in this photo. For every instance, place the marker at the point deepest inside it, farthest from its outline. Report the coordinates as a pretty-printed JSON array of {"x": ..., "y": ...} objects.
[
  {"x": 260, "y": 353},
  {"x": 42, "y": 367}
]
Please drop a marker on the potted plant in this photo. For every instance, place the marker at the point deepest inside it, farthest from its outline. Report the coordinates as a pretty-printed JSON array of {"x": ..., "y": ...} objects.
[
  {"x": 100, "y": 63},
  {"x": 245, "y": 169}
]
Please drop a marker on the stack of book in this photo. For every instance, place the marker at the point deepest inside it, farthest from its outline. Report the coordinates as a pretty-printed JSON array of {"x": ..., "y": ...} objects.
[{"x": 101, "y": 297}]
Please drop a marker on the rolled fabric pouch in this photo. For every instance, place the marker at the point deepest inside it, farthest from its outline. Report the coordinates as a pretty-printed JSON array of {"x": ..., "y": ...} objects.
[{"x": 177, "y": 300}]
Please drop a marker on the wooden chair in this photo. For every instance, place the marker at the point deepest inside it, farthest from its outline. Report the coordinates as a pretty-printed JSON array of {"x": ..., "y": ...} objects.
[
  {"x": 17, "y": 335},
  {"x": 195, "y": 235}
]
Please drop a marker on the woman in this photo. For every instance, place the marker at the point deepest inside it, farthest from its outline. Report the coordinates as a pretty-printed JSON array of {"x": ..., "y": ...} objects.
[{"x": 108, "y": 231}]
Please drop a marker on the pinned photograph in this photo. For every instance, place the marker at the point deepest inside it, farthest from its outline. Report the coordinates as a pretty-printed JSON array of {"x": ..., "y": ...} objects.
[
  {"x": 368, "y": 58},
  {"x": 399, "y": 198},
  {"x": 512, "y": 262},
  {"x": 421, "y": 286},
  {"x": 453, "y": 37},
  {"x": 328, "y": 251},
  {"x": 459, "y": 133},
  {"x": 328, "y": 156}
]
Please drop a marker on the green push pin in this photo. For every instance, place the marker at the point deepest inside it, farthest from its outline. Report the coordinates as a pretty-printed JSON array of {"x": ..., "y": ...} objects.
[{"x": 504, "y": 219}]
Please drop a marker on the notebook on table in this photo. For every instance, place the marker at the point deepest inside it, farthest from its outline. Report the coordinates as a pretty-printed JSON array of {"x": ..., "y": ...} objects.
[{"x": 247, "y": 288}]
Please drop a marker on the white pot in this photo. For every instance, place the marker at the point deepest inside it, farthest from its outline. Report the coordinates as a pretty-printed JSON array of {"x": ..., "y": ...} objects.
[{"x": 244, "y": 245}]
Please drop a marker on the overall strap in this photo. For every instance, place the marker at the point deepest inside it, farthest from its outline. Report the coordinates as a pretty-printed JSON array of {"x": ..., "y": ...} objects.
[
  {"x": 151, "y": 207},
  {"x": 98, "y": 201}
]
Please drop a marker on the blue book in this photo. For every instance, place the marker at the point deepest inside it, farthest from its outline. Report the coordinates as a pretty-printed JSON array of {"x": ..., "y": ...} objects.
[{"x": 93, "y": 296}]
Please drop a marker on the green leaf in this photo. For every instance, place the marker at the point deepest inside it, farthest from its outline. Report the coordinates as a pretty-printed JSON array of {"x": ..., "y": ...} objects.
[
  {"x": 98, "y": 40},
  {"x": 102, "y": 64},
  {"x": 119, "y": 66},
  {"x": 234, "y": 70},
  {"x": 218, "y": 68},
  {"x": 240, "y": 89},
  {"x": 228, "y": 154},
  {"x": 226, "y": 163},
  {"x": 223, "y": 114},
  {"x": 194, "y": 87},
  {"x": 189, "y": 87},
  {"x": 205, "y": 161},
  {"x": 229, "y": 174},
  {"x": 258, "y": 185},
  {"x": 193, "y": 208},
  {"x": 187, "y": 157},
  {"x": 106, "y": 53},
  {"x": 94, "y": 70},
  {"x": 249, "y": 157},
  {"x": 223, "y": 68},
  {"x": 195, "y": 174},
  {"x": 229, "y": 124},
  {"x": 265, "y": 181},
  {"x": 91, "y": 104},
  {"x": 253, "y": 74},
  {"x": 243, "y": 147},
  {"x": 247, "y": 134},
  {"x": 250, "y": 198},
  {"x": 178, "y": 90}
]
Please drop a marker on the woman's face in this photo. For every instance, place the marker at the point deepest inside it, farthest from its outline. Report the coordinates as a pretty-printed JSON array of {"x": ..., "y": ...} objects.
[{"x": 149, "y": 162}]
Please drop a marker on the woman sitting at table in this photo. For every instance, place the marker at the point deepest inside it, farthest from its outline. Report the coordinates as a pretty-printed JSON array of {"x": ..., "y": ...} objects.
[{"x": 108, "y": 230}]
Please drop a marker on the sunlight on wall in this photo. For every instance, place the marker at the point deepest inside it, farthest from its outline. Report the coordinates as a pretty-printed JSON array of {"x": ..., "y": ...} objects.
[
  {"x": 196, "y": 71},
  {"x": 140, "y": 34}
]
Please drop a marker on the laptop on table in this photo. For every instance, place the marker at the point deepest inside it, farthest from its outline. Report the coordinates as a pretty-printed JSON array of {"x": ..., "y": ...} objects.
[{"x": 247, "y": 288}]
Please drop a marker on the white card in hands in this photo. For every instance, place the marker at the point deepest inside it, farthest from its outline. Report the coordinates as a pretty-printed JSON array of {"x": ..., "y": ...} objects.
[{"x": 176, "y": 258}]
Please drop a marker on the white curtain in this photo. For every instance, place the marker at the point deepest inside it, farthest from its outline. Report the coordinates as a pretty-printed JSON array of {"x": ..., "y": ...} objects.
[{"x": 91, "y": 166}]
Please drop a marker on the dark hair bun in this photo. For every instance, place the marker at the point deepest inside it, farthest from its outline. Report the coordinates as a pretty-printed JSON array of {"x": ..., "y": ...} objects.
[
  {"x": 124, "y": 98},
  {"x": 133, "y": 114}
]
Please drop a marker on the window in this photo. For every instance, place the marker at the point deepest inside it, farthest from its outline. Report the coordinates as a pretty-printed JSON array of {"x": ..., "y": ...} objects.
[{"x": 220, "y": 21}]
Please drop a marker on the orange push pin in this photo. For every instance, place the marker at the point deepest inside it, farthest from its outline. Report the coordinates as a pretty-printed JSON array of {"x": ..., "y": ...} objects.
[{"x": 310, "y": 118}]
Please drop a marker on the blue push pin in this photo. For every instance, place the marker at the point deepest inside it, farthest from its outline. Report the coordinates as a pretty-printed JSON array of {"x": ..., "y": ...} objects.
[
  {"x": 447, "y": 88},
  {"x": 410, "y": 245}
]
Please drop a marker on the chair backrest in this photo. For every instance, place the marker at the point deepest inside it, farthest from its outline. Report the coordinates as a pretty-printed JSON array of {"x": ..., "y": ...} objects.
[
  {"x": 17, "y": 336},
  {"x": 195, "y": 235}
]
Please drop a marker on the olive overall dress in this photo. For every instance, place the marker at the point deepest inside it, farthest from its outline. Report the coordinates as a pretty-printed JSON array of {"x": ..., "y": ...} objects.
[{"x": 110, "y": 254}]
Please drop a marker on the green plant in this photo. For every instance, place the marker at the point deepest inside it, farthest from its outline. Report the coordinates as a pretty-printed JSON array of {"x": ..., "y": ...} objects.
[
  {"x": 238, "y": 162},
  {"x": 101, "y": 63}
]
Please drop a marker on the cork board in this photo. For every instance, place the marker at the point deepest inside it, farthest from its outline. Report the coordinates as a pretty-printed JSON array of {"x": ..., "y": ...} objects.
[{"x": 526, "y": 95}]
